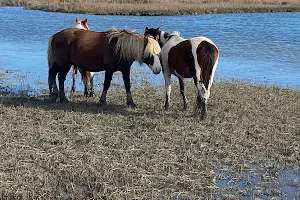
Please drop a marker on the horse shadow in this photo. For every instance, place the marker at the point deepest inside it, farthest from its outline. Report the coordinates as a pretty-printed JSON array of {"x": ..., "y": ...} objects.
[{"x": 82, "y": 106}]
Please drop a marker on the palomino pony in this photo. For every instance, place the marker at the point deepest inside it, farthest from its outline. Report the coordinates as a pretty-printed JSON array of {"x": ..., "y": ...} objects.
[
  {"x": 86, "y": 76},
  {"x": 112, "y": 50},
  {"x": 195, "y": 58}
]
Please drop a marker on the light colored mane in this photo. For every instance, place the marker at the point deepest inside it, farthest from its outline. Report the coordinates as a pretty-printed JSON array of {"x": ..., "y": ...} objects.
[
  {"x": 113, "y": 29},
  {"x": 152, "y": 47},
  {"x": 131, "y": 47}
]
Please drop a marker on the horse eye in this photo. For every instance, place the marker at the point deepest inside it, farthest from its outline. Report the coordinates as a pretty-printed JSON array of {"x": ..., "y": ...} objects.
[{"x": 149, "y": 60}]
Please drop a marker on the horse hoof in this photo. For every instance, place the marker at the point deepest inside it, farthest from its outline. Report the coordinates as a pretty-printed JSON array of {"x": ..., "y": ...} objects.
[
  {"x": 184, "y": 107},
  {"x": 131, "y": 104},
  {"x": 63, "y": 101},
  {"x": 102, "y": 102},
  {"x": 91, "y": 94},
  {"x": 166, "y": 107},
  {"x": 53, "y": 97},
  {"x": 203, "y": 116}
]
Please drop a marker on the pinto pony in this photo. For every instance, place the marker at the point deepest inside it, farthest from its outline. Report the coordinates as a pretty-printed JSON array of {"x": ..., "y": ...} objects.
[
  {"x": 112, "y": 50},
  {"x": 195, "y": 58},
  {"x": 86, "y": 76}
]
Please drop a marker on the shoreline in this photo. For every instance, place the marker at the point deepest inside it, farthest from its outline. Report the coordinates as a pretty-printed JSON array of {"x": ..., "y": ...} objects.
[{"x": 158, "y": 8}]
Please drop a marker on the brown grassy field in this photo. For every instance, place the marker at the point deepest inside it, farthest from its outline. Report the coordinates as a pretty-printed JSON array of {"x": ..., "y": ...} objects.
[
  {"x": 83, "y": 151},
  {"x": 157, "y": 7}
]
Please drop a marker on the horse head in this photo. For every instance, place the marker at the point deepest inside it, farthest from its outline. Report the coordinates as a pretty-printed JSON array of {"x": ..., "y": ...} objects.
[
  {"x": 81, "y": 24},
  {"x": 161, "y": 36},
  {"x": 151, "y": 54},
  {"x": 155, "y": 33}
]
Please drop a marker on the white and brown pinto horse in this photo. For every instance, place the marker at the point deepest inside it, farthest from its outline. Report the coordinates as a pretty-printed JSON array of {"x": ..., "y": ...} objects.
[
  {"x": 112, "y": 50},
  {"x": 195, "y": 58},
  {"x": 86, "y": 76}
]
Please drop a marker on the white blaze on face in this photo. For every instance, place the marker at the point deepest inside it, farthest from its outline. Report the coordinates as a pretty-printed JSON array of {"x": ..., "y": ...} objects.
[{"x": 156, "y": 67}]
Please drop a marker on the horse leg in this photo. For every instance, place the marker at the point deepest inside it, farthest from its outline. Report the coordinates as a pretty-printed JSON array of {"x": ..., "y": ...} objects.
[
  {"x": 167, "y": 77},
  {"x": 92, "y": 91},
  {"x": 85, "y": 81},
  {"x": 181, "y": 84},
  {"x": 74, "y": 76},
  {"x": 61, "y": 79},
  {"x": 53, "y": 71},
  {"x": 202, "y": 100},
  {"x": 201, "y": 93},
  {"x": 126, "y": 79},
  {"x": 107, "y": 81}
]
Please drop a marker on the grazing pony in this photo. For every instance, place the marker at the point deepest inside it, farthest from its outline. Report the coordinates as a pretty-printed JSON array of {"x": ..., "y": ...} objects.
[
  {"x": 112, "y": 50},
  {"x": 195, "y": 58},
  {"x": 86, "y": 76}
]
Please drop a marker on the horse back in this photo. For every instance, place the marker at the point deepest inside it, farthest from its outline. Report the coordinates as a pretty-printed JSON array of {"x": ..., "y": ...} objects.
[
  {"x": 180, "y": 58},
  {"x": 86, "y": 49}
]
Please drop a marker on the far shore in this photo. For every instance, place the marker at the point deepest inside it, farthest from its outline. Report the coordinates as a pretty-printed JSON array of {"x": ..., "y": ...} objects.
[{"x": 157, "y": 7}]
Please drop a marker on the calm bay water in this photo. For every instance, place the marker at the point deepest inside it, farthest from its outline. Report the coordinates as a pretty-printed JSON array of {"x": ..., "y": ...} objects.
[{"x": 262, "y": 48}]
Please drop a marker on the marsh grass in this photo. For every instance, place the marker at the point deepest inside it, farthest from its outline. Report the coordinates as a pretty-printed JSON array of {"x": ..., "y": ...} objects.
[
  {"x": 81, "y": 151},
  {"x": 157, "y": 7}
]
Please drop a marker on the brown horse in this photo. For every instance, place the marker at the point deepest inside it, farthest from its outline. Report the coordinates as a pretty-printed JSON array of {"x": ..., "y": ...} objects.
[
  {"x": 195, "y": 58},
  {"x": 86, "y": 76},
  {"x": 112, "y": 50}
]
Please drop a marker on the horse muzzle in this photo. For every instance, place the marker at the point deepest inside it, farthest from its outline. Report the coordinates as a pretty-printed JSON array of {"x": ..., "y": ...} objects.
[{"x": 156, "y": 70}]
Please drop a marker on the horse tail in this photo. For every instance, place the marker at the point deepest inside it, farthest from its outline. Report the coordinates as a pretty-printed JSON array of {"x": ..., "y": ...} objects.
[
  {"x": 86, "y": 76},
  {"x": 90, "y": 75},
  {"x": 50, "y": 53},
  {"x": 209, "y": 56}
]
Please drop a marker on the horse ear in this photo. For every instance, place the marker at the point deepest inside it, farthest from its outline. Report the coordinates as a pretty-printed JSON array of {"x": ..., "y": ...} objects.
[
  {"x": 77, "y": 19},
  {"x": 146, "y": 29},
  {"x": 85, "y": 21},
  {"x": 158, "y": 28}
]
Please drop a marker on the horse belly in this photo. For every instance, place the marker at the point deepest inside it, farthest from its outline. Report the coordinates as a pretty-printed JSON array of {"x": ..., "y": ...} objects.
[
  {"x": 180, "y": 64},
  {"x": 184, "y": 72},
  {"x": 180, "y": 59}
]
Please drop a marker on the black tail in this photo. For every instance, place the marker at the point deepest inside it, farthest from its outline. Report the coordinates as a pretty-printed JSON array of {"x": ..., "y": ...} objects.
[{"x": 209, "y": 61}]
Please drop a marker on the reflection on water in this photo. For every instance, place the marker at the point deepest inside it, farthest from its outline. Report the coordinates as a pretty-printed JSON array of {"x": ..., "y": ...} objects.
[
  {"x": 262, "y": 48},
  {"x": 254, "y": 182}
]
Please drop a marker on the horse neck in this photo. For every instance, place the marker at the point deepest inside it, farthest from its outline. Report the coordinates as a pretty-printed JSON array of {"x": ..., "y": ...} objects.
[{"x": 175, "y": 40}]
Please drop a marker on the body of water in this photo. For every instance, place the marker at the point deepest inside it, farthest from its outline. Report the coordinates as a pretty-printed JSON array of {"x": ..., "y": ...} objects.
[{"x": 262, "y": 48}]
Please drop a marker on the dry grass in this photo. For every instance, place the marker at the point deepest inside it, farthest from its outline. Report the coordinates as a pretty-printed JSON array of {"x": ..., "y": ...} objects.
[
  {"x": 157, "y": 7},
  {"x": 82, "y": 151}
]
